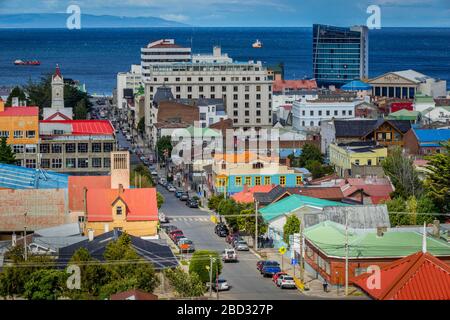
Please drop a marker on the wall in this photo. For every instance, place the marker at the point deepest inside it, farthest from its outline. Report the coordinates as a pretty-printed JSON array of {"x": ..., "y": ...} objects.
[{"x": 134, "y": 228}]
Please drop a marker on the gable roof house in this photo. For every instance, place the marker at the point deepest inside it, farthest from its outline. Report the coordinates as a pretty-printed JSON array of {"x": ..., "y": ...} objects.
[{"x": 426, "y": 141}]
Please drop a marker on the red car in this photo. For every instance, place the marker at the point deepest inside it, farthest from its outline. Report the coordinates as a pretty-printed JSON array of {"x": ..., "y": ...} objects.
[
  {"x": 175, "y": 233},
  {"x": 260, "y": 264},
  {"x": 277, "y": 275}
]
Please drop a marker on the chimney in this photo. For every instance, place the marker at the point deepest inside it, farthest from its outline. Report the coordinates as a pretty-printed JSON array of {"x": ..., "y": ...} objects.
[
  {"x": 120, "y": 169},
  {"x": 120, "y": 189},
  {"x": 14, "y": 240},
  {"x": 91, "y": 235},
  {"x": 436, "y": 229},
  {"x": 2, "y": 105}
]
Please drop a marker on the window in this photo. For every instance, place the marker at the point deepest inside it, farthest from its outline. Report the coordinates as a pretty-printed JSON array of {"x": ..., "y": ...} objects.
[
  {"x": 238, "y": 181},
  {"x": 311, "y": 124},
  {"x": 119, "y": 211},
  {"x": 71, "y": 163},
  {"x": 83, "y": 163},
  {"x": 235, "y": 89},
  {"x": 235, "y": 113},
  {"x": 18, "y": 134},
  {"x": 248, "y": 181},
  {"x": 57, "y": 148},
  {"x": 224, "y": 79},
  {"x": 107, "y": 147},
  {"x": 58, "y": 132},
  {"x": 106, "y": 162},
  {"x": 369, "y": 162},
  {"x": 257, "y": 181},
  {"x": 335, "y": 112},
  {"x": 96, "y": 162},
  {"x": 247, "y": 113},
  {"x": 56, "y": 163},
  {"x": 96, "y": 147},
  {"x": 178, "y": 89},
  {"x": 267, "y": 181},
  {"x": 70, "y": 148},
  {"x": 213, "y": 89},
  {"x": 350, "y": 112},
  {"x": 299, "y": 180},
  {"x": 30, "y": 148},
  {"x": 328, "y": 112},
  {"x": 44, "y": 148},
  {"x": 30, "y": 163},
  {"x": 200, "y": 79},
  {"x": 320, "y": 112},
  {"x": 18, "y": 148},
  {"x": 247, "y": 105},
  {"x": 4, "y": 134},
  {"x": 247, "y": 97},
  {"x": 344, "y": 112},
  {"x": 31, "y": 134},
  {"x": 235, "y": 96},
  {"x": 189, "y": 89},
  {"x": 311, "y": 113},
  {"x": 282, "y": 180},
  {"x": 45, "y": 163},
  {"x": 224, "y": 88},
  {"x": 82, "y": 148},
  {"x": 200, "y": 88},
  {"x": 235, "y": 105}
]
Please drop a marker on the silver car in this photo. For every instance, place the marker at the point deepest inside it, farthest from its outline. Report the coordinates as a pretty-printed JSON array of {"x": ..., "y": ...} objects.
[
  {"x": 241, "y": 246},
  {"x": 221, "y": 285},
  {"x": 286, "y": 281}
]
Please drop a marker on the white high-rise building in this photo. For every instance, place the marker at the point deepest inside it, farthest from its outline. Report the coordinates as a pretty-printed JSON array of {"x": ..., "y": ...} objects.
[{"x": 128, "y": 80}]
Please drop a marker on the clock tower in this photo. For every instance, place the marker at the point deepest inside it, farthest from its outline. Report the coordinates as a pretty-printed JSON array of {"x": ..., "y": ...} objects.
[{"x": 57, "y": 110}]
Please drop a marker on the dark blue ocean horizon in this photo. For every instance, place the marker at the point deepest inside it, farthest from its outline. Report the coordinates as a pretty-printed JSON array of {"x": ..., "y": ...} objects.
[{"x": 95, "y": 56}]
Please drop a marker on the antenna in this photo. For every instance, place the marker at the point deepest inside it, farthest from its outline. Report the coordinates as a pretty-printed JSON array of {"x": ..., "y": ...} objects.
[{"x": 424, "y": 239}]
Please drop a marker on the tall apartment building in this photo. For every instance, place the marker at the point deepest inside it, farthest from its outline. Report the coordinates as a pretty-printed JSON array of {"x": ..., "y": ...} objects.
[
  {"x": 132, "y": 81},
  {"x": 340, "y": 54},
  {"x": 243, "y": 86}
]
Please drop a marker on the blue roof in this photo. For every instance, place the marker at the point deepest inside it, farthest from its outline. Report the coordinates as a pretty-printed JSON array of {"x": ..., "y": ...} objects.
[
  {"x": 356, "y": 85},
  {"x": 14, "y": 177},
  {"x": 432, "y": 135}
]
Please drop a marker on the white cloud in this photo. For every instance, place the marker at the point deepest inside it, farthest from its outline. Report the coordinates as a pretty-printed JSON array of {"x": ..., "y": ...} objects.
[{"x": 175, "y": 17}]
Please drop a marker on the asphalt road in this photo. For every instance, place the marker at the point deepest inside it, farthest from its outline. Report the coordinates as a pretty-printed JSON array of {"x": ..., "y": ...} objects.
[{"x": 246, "y": 282}]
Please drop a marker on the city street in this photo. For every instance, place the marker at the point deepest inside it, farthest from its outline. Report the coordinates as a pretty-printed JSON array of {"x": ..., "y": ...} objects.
[{"x": 245, "y": 280}]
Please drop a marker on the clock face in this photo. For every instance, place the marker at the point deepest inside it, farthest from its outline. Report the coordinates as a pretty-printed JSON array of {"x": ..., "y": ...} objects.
[{"x": 58, "y": 92}]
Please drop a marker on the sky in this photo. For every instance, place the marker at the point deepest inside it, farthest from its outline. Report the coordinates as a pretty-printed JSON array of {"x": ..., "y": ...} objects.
[{"x": 251, "y": 13}]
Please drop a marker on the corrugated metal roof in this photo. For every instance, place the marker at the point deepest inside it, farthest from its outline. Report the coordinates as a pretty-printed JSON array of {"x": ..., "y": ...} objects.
[
  {"x": 420, "y": 276},
  {"x": 432, "y": 135},
  {"x": 92, "y": 127}
]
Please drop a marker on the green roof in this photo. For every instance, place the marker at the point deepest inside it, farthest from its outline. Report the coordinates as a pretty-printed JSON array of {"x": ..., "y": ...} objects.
[
  {"x": 293, "y": 203},
  {"x": 404, "y": 115},
  {"x": 329, "y": 237},
  {"x": 422, "y": 98}
]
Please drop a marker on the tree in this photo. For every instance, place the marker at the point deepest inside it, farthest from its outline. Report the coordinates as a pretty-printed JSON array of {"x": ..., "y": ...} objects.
[
  {"x": 141, "y": 177},
  {"x": 425, "y": 205},
  {"x": 160, "y": 200},
  {"x": 438, "y": 179},
  {"x": 400, "y": 169},
  {"x": 185, "y": 285},
  {"x": 6, "y": 153},
  {"x": 310, "y": 153},
  {"x": 200, "y": 265},
  {"x": 396, "y": 207},
  {"x": 45, "y": 284},
  {"x": 80, "y": 111},
  {"x": 246, "y": 222},
  {"x": 164, "y": 146},
  {"x": 17, "y": 92},
  {"x": 141, "y": 126},
  {"x": 214, "y": 201},
  {"x": 291, "y": 227},
  {"x": 410, "y": 212}
]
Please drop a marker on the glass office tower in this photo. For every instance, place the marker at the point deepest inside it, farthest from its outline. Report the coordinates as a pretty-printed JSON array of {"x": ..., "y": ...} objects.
[{"x": 340, "y": 55}]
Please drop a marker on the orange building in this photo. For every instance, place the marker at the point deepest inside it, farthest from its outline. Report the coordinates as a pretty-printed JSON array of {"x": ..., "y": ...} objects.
[
  {"x": 105, "y": 203},
  {"x": 20, "y": 125}
]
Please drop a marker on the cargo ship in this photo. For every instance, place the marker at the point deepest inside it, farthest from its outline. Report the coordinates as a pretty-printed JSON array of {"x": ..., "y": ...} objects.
[{"x": 27, "y": 63}]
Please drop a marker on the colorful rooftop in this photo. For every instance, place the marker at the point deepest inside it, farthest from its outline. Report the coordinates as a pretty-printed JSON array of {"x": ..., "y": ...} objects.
[
  {"x": 356, "y": 85},
  {"x": 432, "y": 135},
  {"x": 329, "y": 237},
  {"x": 15, "y": 177},
  {"x": 419, "y": 276},
  {"x": 280, "y": 85},
  {"x": 247, "y": 195},
  {"x": 20, "y": 112},
  {"x": 293, "y": 203},
  {"x": 404, "y": 114},
  {"x": 82, "y": 127}
]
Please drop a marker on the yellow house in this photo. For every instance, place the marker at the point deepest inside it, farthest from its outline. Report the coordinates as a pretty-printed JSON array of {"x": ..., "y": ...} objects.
[
  {"x": 20, "y": 125},
  {"x": 342, "y": 156}
]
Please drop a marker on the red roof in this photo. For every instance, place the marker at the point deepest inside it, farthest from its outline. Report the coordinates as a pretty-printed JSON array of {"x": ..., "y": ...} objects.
[
  {"x": 20, "y": 112},
  {"x": 325, "y": 193},
  {"x": 280, "y": 85},
  {"x": 57, "y": 72},
  {"x": 134, "y": 294},
  {"x": 246, "y": 196},
  {"x": 93, "y": 127},
  {"x": 420, "y": 276},
  {"x": 140, "y": 204},
  {"x": 76, "y": 187}
]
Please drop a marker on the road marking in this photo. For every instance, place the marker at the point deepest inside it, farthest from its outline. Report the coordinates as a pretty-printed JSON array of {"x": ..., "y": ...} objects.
[{"x": 182, "y": 219}]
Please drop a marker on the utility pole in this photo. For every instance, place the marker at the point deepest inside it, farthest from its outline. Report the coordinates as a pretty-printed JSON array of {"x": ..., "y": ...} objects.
[
  {"x": 256, "y": 226},
  {"x": 346, "y": 252},
  {"x": 301, "y": 254},
  {"x": 25, "y": 237},
  {"x": 210, "y": 275}
]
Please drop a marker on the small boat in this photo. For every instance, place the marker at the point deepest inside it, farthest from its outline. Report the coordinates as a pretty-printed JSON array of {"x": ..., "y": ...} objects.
[
  {"x": 257, "y": 44},
  {"x": 27, "y": 63}
]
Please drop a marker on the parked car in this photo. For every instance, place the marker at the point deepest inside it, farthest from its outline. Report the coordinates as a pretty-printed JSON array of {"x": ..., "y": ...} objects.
[
  {"x": 259, "y": 265},
  {"x": 178, "y": 193},
  {"x": 221, "y": 285},
  {"x": 270, "y": 268},
  {"x": 154, "y": 173},
  {"x": 178, "y": 238},
  {"x": 174, "y": 233},
  {"x": 221, "y": 230},
  {"x": 172, "y": 189},
  {"x": 163, "y": 218},
  {"x": 241, "y": 246},
  {"x": 191, "y": 203},
  {"x": 276, "y": 276},
  {"x": 230, "y": 238},
  {"x": 184, "y": 197},
  {"x": 229, "y": 255},
  {"x": 170, "y": 228},
  {"x": 168, "y": 186},
  {"x": 236, "y": 240},
  {"x": 286, "y": 281},
  {"x": 186, "y": 245}
]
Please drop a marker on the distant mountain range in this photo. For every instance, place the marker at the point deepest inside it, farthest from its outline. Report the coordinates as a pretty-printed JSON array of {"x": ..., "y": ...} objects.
[{"x": 58, "y": 20}]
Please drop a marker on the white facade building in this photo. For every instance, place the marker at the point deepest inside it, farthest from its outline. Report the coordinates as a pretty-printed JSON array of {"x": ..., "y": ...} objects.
[
  {"x": 211, "y": 111},
  {"x": 311, "y": 113},
  {"x": 57, "y": 110},
  {"x": 128, "y": 80},
  {"x": 216, "y": 57}
]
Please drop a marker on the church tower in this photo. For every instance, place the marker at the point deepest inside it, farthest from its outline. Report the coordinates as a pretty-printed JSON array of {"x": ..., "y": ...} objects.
[
  {"x": 57, "y": 110},
  {"x": 57, "y": 90}
]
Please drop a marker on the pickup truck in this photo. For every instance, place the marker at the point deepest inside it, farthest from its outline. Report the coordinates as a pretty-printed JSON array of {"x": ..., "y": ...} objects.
[
  {"x": 270, "y": 268},
  {"x": 229, "y": 255}
]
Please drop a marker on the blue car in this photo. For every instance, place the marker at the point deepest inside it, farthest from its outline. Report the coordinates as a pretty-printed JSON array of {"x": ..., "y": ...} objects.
[{"x": 269, "y": 268}]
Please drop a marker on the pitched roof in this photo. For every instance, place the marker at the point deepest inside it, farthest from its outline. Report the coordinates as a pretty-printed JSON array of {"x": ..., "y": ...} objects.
[
  {"x": 404, "y": 114},
  {"x": 432, "y": 135},
  {"x": 271, "y": 196},
  {"x": 77, "y": 184},
  {"x": 293, "y": 203},
  {"x": 353, "y": 128},
  {"x": 134, "y": 294},
  {"x": 280, "y": 85},
  {"x": 247, "y": 195},
  {"x": 20, "y": 112},
  {"x": 325, "y": 193},
  {"x": 411, "y": 75},
  {"x": 141, "y": 204},
  {"x": 330, "y": 238},
  {"x": 420, "y": 276},
  {"x": 83, "y": 127}
]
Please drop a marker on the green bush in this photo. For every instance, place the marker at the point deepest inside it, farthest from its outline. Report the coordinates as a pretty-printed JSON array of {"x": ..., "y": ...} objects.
[{"x": 200, "y": 265}]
